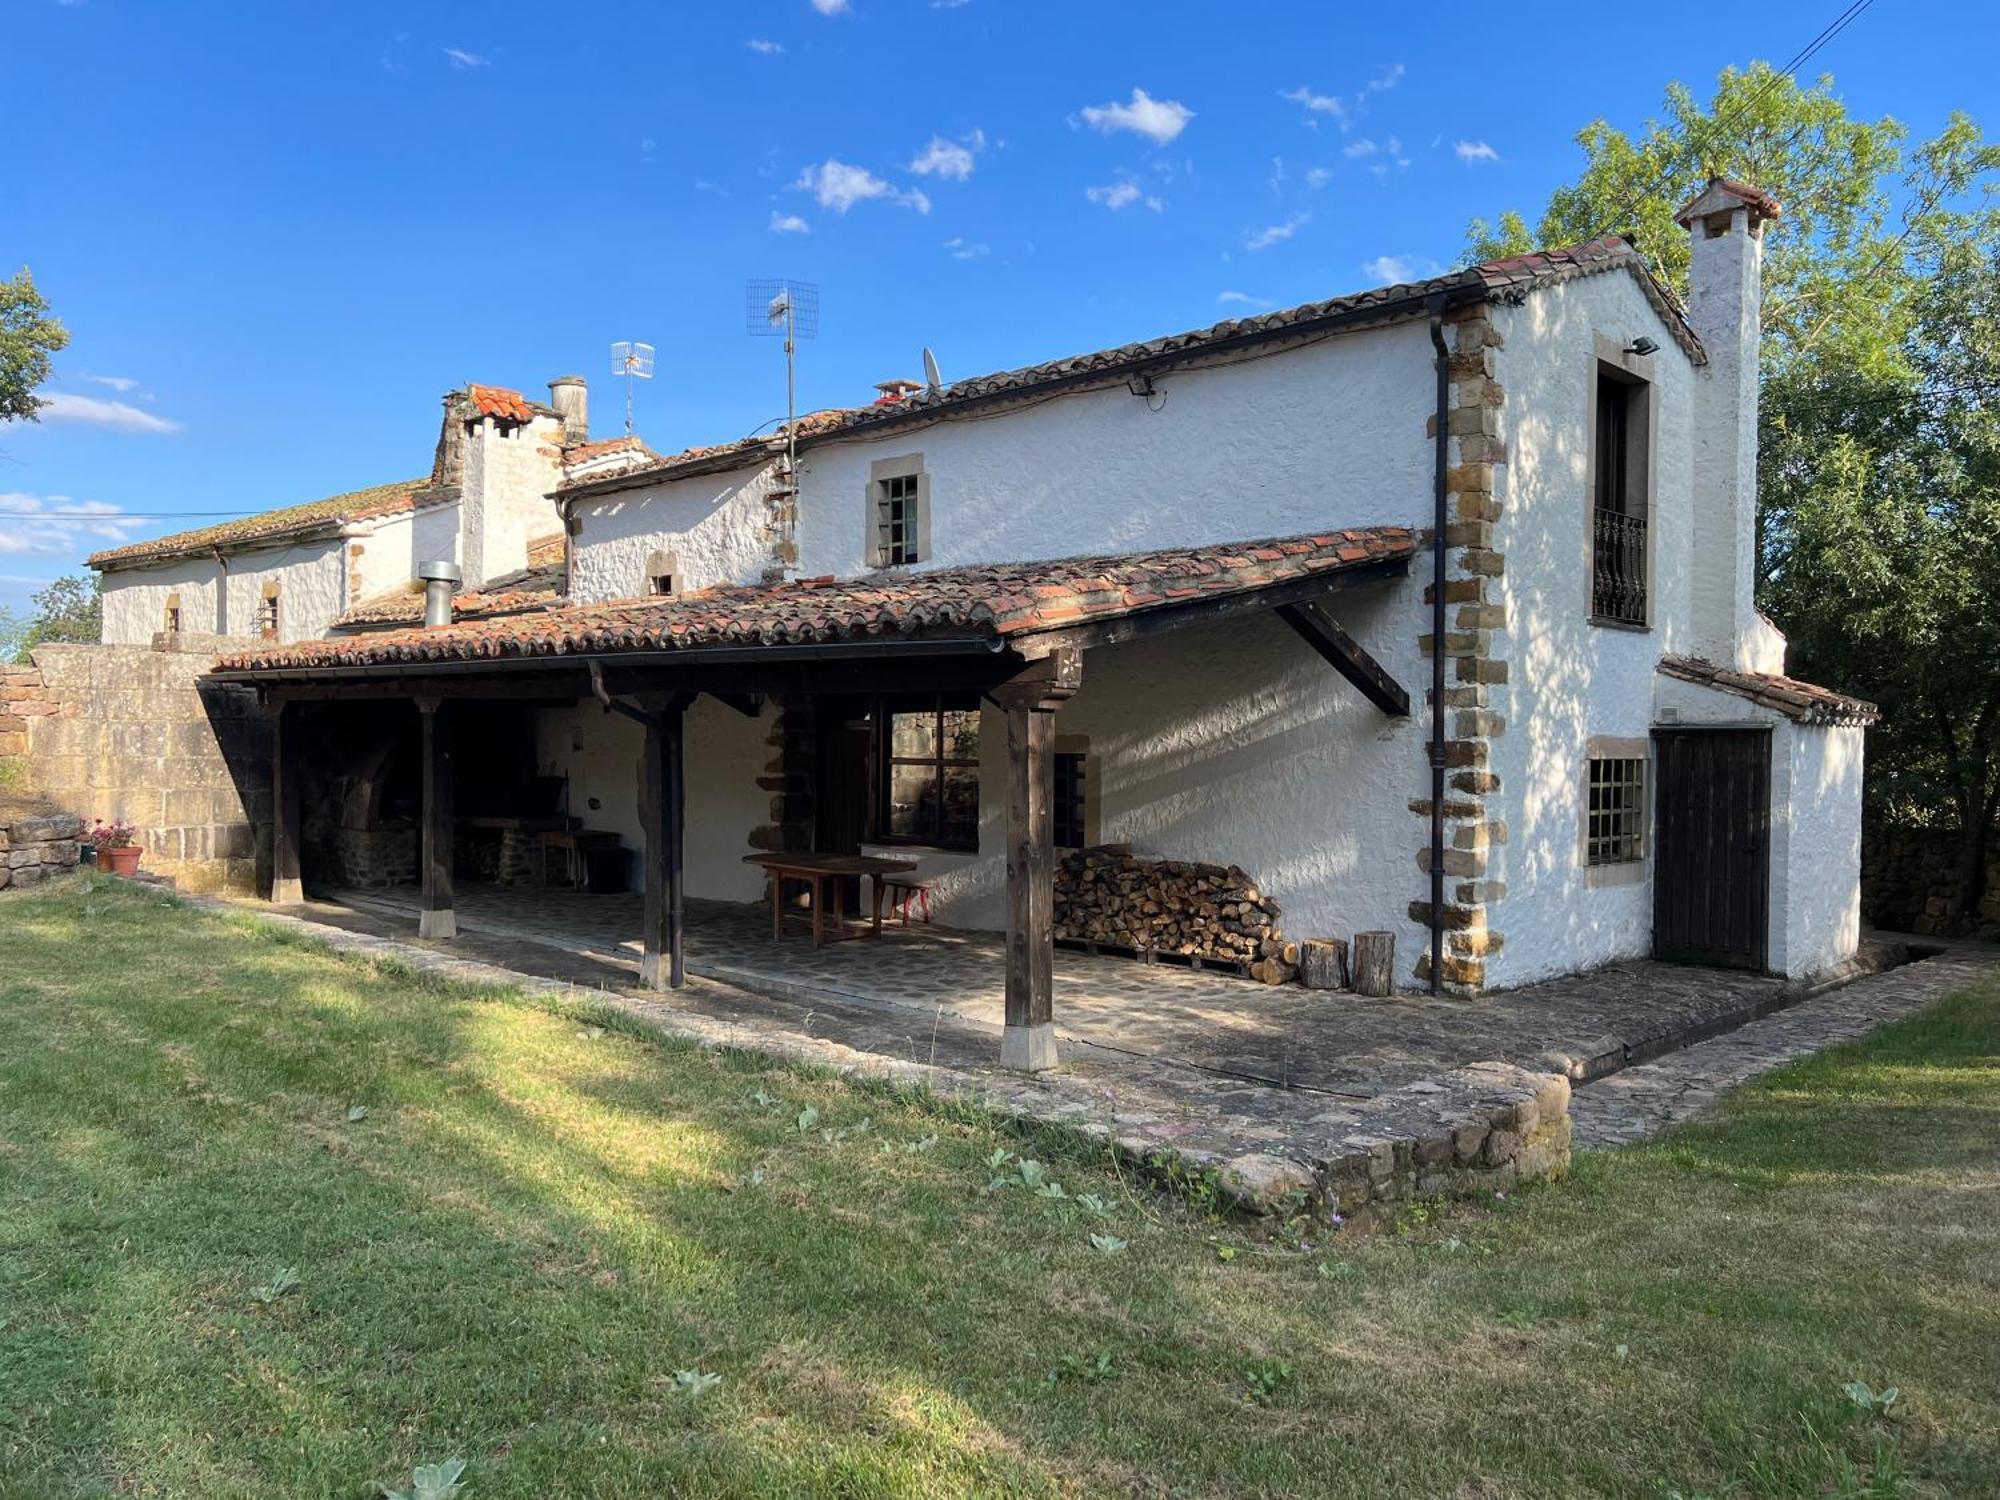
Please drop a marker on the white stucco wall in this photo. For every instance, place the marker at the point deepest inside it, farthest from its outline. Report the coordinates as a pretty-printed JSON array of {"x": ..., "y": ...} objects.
[
  {"x": 509, "y": 475},
  {"x": 311, "y": 582},
  {"x": 383, "y": 554},
  {"x": 713, "y": 525},
  {"x": 726, "y": 753},
  {"x": 135, "y": 600},
  {"x": 1571, "y": 680},
  {"x": 1819, "y": 801}
]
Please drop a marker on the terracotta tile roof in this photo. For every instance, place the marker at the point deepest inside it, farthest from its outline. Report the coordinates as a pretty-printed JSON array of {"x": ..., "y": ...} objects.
[
  {"x": 1804, "y": 702},
  {"x": 537, "y": 586},
  {"x": 1509, "y": 279},
  {"x": 1720, "y": 189},
  {"x": 992, "y": 601},
  {"x": 499, "y": 401},
  {"x": 275, "y": 525}
]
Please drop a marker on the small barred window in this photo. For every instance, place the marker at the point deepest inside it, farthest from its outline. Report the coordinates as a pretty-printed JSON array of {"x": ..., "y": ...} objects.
[{"x": 1616, "y": 830}]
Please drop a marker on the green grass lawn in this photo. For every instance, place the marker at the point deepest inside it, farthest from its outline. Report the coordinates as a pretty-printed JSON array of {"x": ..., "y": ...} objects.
[{"x": 530, "y": 1225}]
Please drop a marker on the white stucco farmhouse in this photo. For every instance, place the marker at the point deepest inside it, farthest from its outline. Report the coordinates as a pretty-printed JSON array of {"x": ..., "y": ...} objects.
[{"x": 1429, "y": 610}]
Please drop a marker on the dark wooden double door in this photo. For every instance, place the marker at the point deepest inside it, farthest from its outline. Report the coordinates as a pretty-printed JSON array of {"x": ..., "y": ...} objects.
[{"x": 1712, "y": 846}]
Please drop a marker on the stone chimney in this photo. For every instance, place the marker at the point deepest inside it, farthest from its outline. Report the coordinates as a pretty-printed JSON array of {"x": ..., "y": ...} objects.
[
  {"x": 1725, "y": 305},
  {"x": 571, "y": 399}
]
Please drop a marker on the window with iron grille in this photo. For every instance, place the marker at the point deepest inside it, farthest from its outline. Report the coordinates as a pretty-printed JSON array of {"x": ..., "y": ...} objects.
[
  {"x": 896, "y": 519},
  {"x": 1619, "y": 511},
  {"x": 1615, "y": 830},
  {"x": 1068, "y": 801},
  {"x": 928, "y": 758},
  {"x": 173, "y": 622},
  {"x": 267, "y": 615}
]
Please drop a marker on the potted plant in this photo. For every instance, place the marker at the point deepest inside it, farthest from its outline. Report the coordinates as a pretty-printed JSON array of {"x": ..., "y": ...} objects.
[{"x": 113, "y": 842}]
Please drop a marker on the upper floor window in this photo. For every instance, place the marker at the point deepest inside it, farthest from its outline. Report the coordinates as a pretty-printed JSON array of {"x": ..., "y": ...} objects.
[
  {"x": 899, "y": 512},
  {"x": 662, "y": 573},
  {"x": 172, "y": 623},
  {"x": 267, "y": 613},
  {"x": 1620, "y": 495}
]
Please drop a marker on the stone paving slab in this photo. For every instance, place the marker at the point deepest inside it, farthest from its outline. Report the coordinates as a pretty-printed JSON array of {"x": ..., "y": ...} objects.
[
  {"x": 1336, "y": 1043},
  {"x": 1640, "y": 1102}
]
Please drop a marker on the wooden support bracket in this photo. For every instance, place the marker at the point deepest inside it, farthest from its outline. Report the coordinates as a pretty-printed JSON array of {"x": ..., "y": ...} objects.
[{"x": 1346, "y": 656}]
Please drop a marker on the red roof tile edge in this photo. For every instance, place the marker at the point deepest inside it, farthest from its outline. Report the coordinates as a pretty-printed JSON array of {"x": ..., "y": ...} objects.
[
  {"x": 992, "y": 601},
  {"x": 1803, "y": 702}
]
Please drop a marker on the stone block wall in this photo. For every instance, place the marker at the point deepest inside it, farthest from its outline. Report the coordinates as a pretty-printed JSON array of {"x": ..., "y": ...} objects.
[
  {"x": 126, "y": 732},
  {"x": 1909, "y": 882},
  {"x": 1476, "y": 676},
  {"x": 36, "y": 849}
]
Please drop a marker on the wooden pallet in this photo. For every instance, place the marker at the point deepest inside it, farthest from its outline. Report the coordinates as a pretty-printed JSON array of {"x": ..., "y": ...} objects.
[{"x": 1200, "y": 963}]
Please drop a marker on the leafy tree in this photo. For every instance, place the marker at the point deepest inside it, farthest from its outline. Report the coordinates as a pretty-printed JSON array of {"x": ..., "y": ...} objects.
[
  {"x": 13, "y": 636},
  {"x": 1879, "y": 461},
  {"x": 69, "y": 611},
  {"x": 28, "y": 336}
]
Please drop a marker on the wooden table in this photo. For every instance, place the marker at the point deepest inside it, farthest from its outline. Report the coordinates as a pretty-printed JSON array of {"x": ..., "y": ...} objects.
[{"x": 819, "y": 872}]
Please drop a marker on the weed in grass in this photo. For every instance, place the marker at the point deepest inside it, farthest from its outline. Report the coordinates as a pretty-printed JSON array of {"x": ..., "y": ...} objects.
[
  {"x": 1076, "y": 1368},
  {"x": 432, "y": 1482},
  {"x": 807, "y": 1118},
  {"x": 1867, "y": 1398},
  {"x": 1108, "y": 1244},
  {"x": 1267, "y": 1380},
  {"x": 695, "y": 1382},
  {"x": 284, "y": 1279},
  {"x": 356, "y": 1113}
]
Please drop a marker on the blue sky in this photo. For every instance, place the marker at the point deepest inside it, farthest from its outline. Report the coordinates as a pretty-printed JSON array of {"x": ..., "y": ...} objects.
[{"x": 278, "y": 233}]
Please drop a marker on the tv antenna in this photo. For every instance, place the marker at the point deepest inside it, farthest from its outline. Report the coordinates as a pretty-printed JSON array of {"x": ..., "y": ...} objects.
[
  {"x": 933, "y": 380},
  {"x": 635, "y": 362},
  {"x": 780, "y": 307}
]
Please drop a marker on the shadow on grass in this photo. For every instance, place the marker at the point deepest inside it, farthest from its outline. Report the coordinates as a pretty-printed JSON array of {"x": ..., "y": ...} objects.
[{"x": 535, "y": 1225}]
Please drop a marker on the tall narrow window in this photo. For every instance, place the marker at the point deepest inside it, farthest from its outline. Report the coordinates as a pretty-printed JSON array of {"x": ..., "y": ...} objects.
[
  {"x": 1619, "y": 510},
  {"x": 929, "y": 767},
  {"x": 267, "y": 613},
  {"x": 1067, "y": 813},
  {"x": 172, "y": 623},
  {"x": 1615, "y": 821},
  {"x": 896, "y": 519}
]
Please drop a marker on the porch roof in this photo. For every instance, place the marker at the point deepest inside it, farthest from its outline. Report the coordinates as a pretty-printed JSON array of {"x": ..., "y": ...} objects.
[
  {"x": 996, "y": 604},
  {"x": 1804, "y": 702}
]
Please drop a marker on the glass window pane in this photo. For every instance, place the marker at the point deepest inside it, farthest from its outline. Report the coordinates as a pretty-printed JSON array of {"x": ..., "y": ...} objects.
[
  {"x": 913, "y": 735},
  {"x": 912, "y": 801},
  {"x": 961, "y": 734},
  {"x": 960, "y": 821}
]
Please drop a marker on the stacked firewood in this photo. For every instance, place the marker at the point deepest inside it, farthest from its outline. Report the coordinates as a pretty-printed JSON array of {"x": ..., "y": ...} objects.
[{"x": 1110, "y": 896}]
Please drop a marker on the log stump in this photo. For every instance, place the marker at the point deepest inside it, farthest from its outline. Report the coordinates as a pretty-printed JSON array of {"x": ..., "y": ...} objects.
[
  {"x": 1374, "y": 963},
  {"x": 1323, "y": 964}
]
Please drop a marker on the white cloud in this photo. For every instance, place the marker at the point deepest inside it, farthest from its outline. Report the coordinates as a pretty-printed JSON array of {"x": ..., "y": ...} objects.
[
  {"x": 789, "y": 224},
  {"x": 1345, "y": 110},
  {"x": 58, "y": 525},
  {"x": 92, "y": 412},
  {"x": 830, "y": 7},
  {"x": 769, "y": 49},
  {"x": 1360, "y": 148},
  {"x": 1274, "y": 234},
  {"x": 838, "y": 186},
  {"x": 1243, "y": 299},
  {"x": 952, "y": 160},
  {"x": 1469, "y": 151},
  {"x": 1117, "y": 195},
  {"x": 1159, "y": 120},
  {"x": 460, "y": 58},
  {"x": 1388, "y": 268},
  {"x": 964, "y": 249},
  {"x": 119, "y": 383},
  {"x": 1317, "y": 178}
]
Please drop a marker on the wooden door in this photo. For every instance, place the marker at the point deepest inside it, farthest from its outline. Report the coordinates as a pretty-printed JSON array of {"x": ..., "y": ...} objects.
[{"x": 1712, "y": 846}]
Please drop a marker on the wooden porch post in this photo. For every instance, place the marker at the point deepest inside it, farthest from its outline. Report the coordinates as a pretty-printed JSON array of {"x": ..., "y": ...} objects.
[
  {"x": 1030, "y": 701},
  {"x": 662, "y": 812},
  {"x": 439, "y": 918},
  {"x": 285, "y": 887}
]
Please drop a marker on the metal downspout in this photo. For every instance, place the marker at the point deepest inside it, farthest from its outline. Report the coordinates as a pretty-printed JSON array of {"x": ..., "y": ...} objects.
[{"x": 1440, "y": 459}]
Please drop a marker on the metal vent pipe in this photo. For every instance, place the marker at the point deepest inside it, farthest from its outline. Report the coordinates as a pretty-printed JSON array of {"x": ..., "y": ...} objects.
[{"x": 441, "y": 581}]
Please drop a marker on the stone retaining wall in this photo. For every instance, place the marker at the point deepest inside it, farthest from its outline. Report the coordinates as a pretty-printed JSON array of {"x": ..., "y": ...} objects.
[
  {"x": 1909, "y": 880},
  {"x": 36, "y": 849},
  {"x": 124, "y": 732}
]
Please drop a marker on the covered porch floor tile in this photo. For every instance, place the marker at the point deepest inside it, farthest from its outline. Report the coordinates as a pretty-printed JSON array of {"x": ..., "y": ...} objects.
[{"x": 936, "y": 994}]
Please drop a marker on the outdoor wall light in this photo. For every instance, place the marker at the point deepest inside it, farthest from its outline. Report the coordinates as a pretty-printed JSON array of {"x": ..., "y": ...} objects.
[{"x": 1642, "y": 345}]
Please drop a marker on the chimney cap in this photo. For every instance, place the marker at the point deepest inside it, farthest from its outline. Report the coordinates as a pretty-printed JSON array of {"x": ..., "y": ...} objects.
[
  {"x": 1726, "y": 194},
  {"x": 568, "y": 380},
  {"x": 440, "y": 572}
]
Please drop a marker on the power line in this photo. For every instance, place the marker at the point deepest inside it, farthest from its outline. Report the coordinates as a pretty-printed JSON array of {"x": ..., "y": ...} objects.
[{"x": 128, "y": 515}]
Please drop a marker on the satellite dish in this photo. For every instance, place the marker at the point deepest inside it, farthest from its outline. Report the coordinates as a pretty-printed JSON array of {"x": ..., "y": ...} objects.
[{"x": 931, "y": 376}]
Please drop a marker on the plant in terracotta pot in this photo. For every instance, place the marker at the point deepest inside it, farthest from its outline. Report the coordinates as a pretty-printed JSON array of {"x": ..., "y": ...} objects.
[{"x": 113, "y": 842}]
